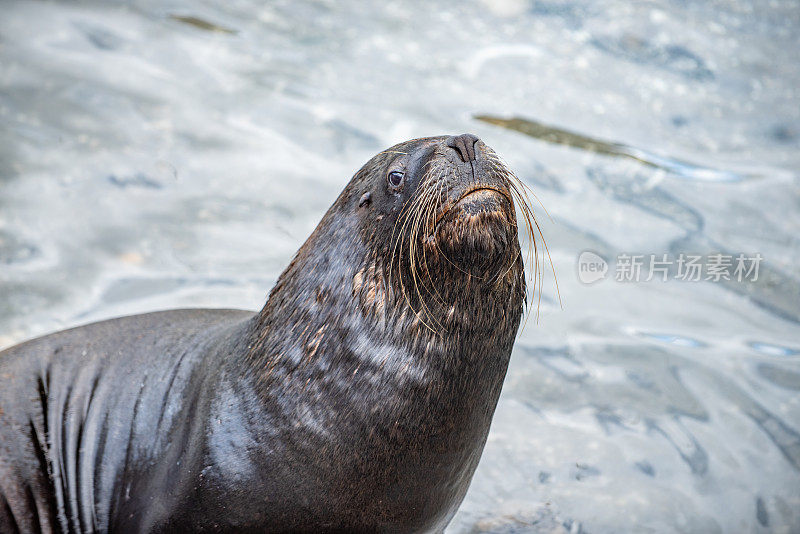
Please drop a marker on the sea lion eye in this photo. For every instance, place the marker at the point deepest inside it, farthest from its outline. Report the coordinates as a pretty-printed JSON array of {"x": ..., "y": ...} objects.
[{"x": 395, "y": 178}]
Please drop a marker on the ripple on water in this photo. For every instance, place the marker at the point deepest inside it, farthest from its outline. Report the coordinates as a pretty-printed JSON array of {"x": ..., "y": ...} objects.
[
  {"x": 671, "y": 57},
  {"x": 672, "y": 339},
  {"x": 14, "y": 251},
  {"x": 636, "y": 191},
  {"x": 773, "y": 349},
  {"x": 780, "y": 376}
]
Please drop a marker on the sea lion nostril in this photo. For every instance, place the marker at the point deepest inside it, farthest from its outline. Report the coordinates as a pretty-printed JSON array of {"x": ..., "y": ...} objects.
[{"x": 464, "y": 144}]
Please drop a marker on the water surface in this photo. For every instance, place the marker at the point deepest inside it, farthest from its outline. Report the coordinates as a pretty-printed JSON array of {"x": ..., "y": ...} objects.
[{"x": 168, "y": 154}]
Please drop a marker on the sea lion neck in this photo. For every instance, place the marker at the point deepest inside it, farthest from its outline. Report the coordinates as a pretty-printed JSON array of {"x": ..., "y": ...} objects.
[{"x": 336, "y": 304}]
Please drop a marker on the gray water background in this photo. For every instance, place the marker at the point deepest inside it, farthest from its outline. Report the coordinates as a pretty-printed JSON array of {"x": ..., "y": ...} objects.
[{"x": 162, "y": 154}]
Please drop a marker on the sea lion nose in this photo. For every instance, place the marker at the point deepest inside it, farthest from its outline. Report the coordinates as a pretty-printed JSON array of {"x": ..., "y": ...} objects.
[{"x": 464, "y": 144}]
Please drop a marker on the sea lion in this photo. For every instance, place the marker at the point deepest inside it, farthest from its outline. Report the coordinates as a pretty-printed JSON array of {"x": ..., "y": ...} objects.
[{"x": 357, "y": 400}]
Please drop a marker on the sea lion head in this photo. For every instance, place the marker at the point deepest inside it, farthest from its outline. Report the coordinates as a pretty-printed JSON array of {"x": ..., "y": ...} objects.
[
  {"x": 392, "y": 327},
  {"x": 425, "y": 235},
  {"x": 438, "y": 217}
]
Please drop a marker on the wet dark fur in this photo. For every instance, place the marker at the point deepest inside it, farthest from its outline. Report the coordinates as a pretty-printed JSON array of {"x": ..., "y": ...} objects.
[{"x": 358, "y": 400}]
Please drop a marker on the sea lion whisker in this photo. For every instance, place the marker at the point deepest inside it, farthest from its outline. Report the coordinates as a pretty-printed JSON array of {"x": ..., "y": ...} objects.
[
  {"x": 432, "y": 206},
  {"x": 532, "y": 248},
  {"x": 525, "y": 189},
  {"x": 401, "y": 236},
  {"x": 433, "y": 193},
  {"x": 515, "y": 180},
  {"x": 396, "y": 240},
  {"x": 413, "y": 243}
]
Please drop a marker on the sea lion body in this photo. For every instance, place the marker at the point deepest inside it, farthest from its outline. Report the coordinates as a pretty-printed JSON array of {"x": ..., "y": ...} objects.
[
  {"x": 358, "y": 400},
  {"x": 112, "y": 412}
]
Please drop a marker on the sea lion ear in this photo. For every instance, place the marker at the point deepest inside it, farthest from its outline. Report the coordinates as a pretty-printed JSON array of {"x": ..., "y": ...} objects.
[{"x": 365, "y": 200}]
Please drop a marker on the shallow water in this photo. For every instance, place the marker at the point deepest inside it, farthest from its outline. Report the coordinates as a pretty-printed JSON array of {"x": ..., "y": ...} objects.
[{"x": 168, "y": 154}]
